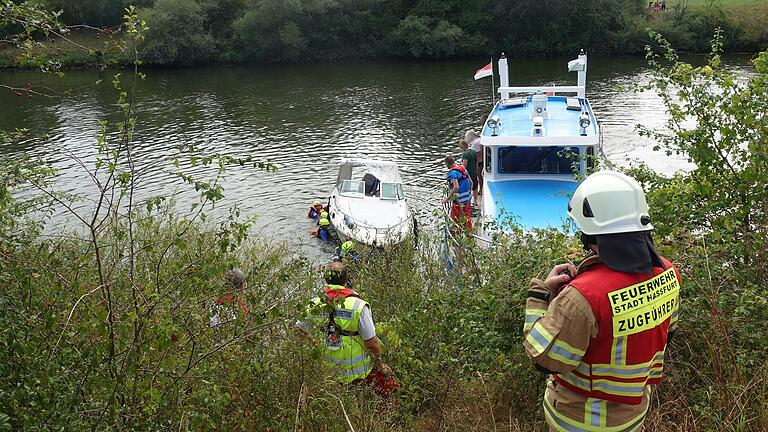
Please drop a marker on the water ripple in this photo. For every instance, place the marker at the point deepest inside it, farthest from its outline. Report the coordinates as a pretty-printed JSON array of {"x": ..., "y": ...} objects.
[{"x": 304, "y": 119}]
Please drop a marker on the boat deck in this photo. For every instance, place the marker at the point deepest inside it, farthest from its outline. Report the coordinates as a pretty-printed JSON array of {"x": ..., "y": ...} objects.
[
  {"x": 516, "y": 121},
  {"x": 531, "y": 203}
]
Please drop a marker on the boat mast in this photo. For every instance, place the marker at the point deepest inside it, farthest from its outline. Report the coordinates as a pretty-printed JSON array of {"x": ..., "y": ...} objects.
[{"x": 493, "y": 85}]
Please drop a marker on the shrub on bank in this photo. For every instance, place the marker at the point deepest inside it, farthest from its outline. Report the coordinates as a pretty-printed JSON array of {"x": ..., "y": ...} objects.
[
  {"x": 176, "y": 34},
  {"x": 452, "y": 338},
  {"x": 190, "y": 32}
]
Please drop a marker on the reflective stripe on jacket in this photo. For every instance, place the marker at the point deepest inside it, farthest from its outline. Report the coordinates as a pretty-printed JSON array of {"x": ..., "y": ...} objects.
[
  {"x": 351, "y": 359},
  {"x": 633, "y": 314},
  {"x": 562, "y": 408}
]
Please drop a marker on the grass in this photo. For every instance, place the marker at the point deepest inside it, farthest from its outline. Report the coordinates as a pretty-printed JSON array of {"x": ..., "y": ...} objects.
[
  {"x": 78, "y": 48},
  {"x": 721, "y": 3},
  {"x": 453, "y": 340}
]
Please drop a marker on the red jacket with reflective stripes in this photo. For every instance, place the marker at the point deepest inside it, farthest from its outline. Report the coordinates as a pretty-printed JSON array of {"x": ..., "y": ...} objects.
[{"x": 633, "y": 313}]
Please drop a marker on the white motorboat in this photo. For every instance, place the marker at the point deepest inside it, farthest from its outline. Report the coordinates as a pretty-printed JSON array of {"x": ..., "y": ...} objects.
[{"x": 368, "y": 204}]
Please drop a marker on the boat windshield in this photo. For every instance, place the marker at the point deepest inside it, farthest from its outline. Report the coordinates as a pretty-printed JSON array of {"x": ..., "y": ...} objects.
[
  {"x": 537, "y": 160},
  {"x": 352, "y": 188},
  {"x": 392, "y": 191}
]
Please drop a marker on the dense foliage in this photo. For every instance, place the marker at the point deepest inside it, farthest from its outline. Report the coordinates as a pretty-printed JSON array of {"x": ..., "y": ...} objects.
[{"x": 186, "y": 32}]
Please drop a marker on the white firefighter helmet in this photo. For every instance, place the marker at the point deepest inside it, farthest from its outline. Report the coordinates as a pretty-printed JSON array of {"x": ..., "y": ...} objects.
[{"x": 609, "y": 202}]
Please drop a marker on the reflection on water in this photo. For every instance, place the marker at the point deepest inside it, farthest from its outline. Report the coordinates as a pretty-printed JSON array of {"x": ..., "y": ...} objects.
[{"x": 305, "y": 118}]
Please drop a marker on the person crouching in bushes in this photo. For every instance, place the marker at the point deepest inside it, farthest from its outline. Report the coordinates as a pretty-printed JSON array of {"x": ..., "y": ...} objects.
[
  {"x": 347, "y": 251},
  {"x": 350, "y": 345},
  {"x": 230, "y": 305}
]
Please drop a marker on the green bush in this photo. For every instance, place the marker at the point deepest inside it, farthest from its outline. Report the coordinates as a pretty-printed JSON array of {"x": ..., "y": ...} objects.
[
  {"x": 176, "y": 34},
  {"x": 422, "y": 37},
  {"x": 750, "y": 24}
]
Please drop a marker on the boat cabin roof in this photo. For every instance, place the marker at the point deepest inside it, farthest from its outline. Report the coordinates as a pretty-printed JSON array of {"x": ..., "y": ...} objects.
[
  {"x": 384, "y": 171},
  {"x": 540, "y": 120}
]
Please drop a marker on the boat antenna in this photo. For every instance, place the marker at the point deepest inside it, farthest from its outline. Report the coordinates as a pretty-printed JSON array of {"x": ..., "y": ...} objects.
[{"x": 493, "y": 84}]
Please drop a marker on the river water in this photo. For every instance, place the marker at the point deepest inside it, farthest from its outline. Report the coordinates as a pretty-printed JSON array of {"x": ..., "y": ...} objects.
[{"x": 304, "y": 118}]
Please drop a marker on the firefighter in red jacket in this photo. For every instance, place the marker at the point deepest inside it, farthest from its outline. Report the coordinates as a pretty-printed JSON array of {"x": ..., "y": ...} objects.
[{"x": 601, "y": 329}]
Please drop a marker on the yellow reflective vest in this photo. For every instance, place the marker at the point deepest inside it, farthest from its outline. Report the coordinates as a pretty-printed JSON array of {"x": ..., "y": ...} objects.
[{"x": 348, "y": 357}]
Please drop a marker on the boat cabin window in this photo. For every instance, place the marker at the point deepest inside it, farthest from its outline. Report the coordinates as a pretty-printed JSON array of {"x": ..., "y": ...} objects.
[
  {"x": 392, "y": 191},
  {"x": 537, "y": 160},
  {"x": 352, "y": 188},
  {"x": 488, "y": 159},
  {"x": 372, "y": 184}
]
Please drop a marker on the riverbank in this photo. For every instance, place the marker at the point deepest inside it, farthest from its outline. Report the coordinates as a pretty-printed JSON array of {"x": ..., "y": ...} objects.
[
  {"x": 689, "y": 26},
  {"x": 79, "y": 49},
  {"x": 453, "y": 339}
]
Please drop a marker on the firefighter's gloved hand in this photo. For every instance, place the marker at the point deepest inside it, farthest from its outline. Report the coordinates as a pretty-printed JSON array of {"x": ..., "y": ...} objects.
[{"x": 560, "y": 275}]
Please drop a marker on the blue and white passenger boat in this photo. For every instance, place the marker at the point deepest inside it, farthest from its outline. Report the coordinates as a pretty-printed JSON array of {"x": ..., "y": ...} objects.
[{"x": 537, "y": 143}]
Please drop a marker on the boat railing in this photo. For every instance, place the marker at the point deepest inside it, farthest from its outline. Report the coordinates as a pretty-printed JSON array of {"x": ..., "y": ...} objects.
[
  {"x": 507, "y": 92},
  {"x": 378, "y": 231},
  {"x": 601, "y": 150}
]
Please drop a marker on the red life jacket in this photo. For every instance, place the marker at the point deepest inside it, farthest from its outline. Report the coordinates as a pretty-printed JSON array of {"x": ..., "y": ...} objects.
[
  {"x": 228, "y": 300},
  {"x": 460, "y": 168},
  {"x": 633, "y": 313},
  {"x": 333, "y": 293}
]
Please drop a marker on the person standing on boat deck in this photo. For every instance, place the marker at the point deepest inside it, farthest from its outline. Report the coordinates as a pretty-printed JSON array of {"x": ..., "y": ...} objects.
[
  {"x": 349, "y": 334},
  {"x": 601, "y": 329},
  {"x": 473, "y": 139},
  {"x": 469, "y": 160},
  {"x": 459, "y": 193}
]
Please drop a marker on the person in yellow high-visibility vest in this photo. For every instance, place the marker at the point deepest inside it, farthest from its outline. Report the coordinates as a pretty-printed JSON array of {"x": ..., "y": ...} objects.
[{"x": 349, "y": 334}]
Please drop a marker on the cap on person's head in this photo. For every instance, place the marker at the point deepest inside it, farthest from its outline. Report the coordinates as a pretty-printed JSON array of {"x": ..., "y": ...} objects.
[
  {"x": 323, "y": 214},
  {"x": 610, "y": 208},
  {"x": 336, "y": 273},
  {"x": 471, "y": 136},
  {"x": 234, "y": 278},
  {"x": 316, "y": 203},
  {"x": 449, "y": 161},
  {"x": 323, "y": 222},
  {"x": 347, "y": 246}
]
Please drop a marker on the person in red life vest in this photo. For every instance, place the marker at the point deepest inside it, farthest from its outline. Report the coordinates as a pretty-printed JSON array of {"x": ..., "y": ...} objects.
[
  {"x": 350, "y": 344},
  {"x": 315, "y": 210},
  {"x": 600, "y": 330},
  {"x": 230, "y": 306},
  {"x": 459, "y": 193}
]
